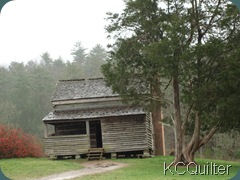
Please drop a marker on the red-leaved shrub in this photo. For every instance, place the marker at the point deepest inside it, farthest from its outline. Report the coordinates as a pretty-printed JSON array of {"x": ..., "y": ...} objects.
[{"x": 15, "y": 143}]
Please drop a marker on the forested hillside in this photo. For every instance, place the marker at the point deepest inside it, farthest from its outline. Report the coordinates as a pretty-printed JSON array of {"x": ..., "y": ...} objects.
[{"x": 26, "y": 89}]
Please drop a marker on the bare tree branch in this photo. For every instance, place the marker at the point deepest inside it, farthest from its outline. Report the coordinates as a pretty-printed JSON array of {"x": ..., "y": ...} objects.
[{"x": 209, "y": 135}]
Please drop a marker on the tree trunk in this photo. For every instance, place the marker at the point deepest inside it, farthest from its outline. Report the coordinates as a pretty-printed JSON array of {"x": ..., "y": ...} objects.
[
  {"x": 178, "y": 121},
  {"x": 157, "y": 128},
  {"x": 156, "y": 120},
  {"x": 196, "y": 143},
  {"x": 192, "y": 147}
]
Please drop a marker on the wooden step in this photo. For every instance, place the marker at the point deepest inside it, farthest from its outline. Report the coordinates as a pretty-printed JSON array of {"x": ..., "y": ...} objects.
[
  {"x": 98, "y": 149},
  {"x": 95, "y": 153},
  {"x": 95, "y": 150}
]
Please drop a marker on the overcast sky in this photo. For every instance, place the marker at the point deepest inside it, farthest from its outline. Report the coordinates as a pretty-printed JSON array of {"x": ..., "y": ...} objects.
[{"x": 30, "y": 27}]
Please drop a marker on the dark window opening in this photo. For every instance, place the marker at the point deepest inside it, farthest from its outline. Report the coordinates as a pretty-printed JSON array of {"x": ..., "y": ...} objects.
[
  {"x": 95, "y": 134},
  {"x": 74, "y": 128}
]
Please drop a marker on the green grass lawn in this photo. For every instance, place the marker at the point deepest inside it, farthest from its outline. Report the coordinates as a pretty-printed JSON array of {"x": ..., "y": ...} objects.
[
  {"x": 137, "y": 169},
  {"x": 28, "y": 168},
  {"x": 153, "y": 168}
]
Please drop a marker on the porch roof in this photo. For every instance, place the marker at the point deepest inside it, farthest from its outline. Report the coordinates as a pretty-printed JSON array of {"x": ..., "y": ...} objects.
[{"x": 93, "y": 113}]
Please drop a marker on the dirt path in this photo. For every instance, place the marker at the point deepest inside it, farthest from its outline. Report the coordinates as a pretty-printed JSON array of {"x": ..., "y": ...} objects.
[{"x": 91, "y": 167}]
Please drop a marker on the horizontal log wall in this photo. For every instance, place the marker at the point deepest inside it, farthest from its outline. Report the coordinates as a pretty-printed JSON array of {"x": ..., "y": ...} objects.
[
  {"x": 66, "y": 145},
  {"x": 126, "y": 133}
]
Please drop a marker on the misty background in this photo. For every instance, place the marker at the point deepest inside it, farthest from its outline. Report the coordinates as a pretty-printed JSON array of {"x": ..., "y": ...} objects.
[{"x": 26, "y": 88}]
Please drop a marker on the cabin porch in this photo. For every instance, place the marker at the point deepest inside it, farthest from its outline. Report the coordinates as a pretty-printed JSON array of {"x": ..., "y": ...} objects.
[{"x": 72, "y": 138}]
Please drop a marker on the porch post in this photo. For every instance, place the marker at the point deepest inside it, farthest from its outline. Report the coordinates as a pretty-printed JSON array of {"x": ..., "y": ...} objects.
[{"x": 88, "y": 132}]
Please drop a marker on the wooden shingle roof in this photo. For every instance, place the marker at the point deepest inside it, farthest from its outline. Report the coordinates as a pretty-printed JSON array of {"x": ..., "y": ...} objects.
[
  {"x": 81, "y": 89},
  {"x": 94, "y": 113}
]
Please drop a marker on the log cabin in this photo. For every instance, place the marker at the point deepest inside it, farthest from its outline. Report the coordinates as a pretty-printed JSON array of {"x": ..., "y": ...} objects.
[{"x": 87, "y": 116}]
